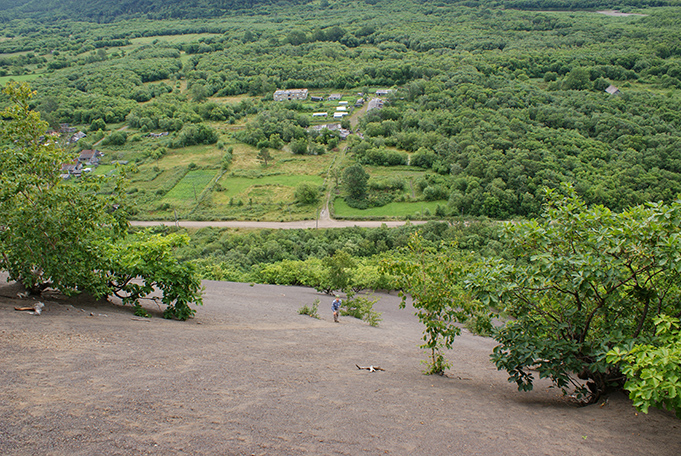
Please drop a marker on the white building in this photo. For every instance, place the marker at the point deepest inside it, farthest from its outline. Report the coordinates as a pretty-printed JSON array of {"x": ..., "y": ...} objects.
[{"x": 292, "y": 94}]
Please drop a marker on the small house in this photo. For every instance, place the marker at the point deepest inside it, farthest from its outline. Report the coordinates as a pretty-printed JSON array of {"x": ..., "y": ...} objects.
[
  {"x": 612, "y": 90},
  {"x": 342, "y": 132},
  {"x": 339, "y": 115},
  {"x": 319, "y": 114},
  {"x": 292, "y": 94},
  {"x": 341, "y": 108},
  {"x": 77, "y": 137},
  {"x": 316, "y": 98},
  {"x": 383, "y": 92},
  {"x": 90, "y": 157},
  {"x": 375, "y": 103},
  {"x": 335, "y": 96},
  {"x": 71, "y": 169},
  {"x": 343, "y": 103}
]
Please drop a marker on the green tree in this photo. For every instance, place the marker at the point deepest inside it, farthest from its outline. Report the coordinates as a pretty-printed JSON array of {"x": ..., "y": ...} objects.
[
  {"x": 577, "y": 79},
  {"x": 98, "y": 124},
  {"x": 338, "y": 272},
  {"x": 299, "y": 146},
  {"x": 431, "y": 278},
  {"x": 307, "y": 193},
  {"x": 355, "y": 181},
  {"x": 71, "y": 236},
  {"x": 117, "y": 138},
  {"x": 582, "y": 281},
  {"x": 264, "y": 156}
]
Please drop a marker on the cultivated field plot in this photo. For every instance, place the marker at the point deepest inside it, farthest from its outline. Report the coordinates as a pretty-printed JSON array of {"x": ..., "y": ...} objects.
[
  {"x": 415, "y": 210},
  {"x": 248, "y": 375}
]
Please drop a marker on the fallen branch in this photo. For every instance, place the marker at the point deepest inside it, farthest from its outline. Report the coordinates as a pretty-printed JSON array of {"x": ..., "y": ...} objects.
[
  {"x": 36, "y": 309},
  {"x": 371, "y": 368}
]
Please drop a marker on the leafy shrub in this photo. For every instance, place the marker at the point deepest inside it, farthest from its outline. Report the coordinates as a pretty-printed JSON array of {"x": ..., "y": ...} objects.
[
  {"x": 361, "y": 308},
  {"x": 191, "y": 135},
  {"x": 307, "y": 193},
  {"x": 312, "y": 310},
  {"x": 117, "y": 138}
]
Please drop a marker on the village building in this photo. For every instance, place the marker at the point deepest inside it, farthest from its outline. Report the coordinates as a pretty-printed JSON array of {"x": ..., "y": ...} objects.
[
  {"x": 64, "y": 128},
  {"x": 342, "y": 132},
  {"x": 383, "y": 92},
  {"x": 335, "y": 96},
  {"x": 71, "y": 169},
  {"x": 292, "y": 94},
  {"x": 375, "y": 103},
  {"x": 317, "y": 98},
  {"x": 320, "y": 114},
  {"x": 90, "y": 157},
  {"x": 77, "y": 137},
  {"x": 612, "y": 90}
]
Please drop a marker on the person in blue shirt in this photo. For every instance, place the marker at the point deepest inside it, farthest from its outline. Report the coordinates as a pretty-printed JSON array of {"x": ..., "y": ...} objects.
[{"x": 335, "y": 306}]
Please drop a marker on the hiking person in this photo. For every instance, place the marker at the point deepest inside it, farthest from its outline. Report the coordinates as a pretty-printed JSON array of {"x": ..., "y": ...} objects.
[{"x": 335, "y": 306}]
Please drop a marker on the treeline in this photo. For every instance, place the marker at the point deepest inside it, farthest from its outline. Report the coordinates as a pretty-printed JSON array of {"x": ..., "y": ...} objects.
[
  {"x": 103, "y": 11},
  {"x": 267, "y": 256}
]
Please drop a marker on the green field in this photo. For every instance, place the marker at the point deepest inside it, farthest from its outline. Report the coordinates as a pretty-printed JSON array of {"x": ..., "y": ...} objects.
[
  {"x": 413, "y": 210},
  {"x": 188, "y": 190},
  {"x": 23, "y": 78}
]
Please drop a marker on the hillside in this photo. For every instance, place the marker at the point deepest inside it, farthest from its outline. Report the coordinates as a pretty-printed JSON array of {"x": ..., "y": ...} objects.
[
  {"x": 482, "y": 107},
  {"x": 107, "y": 11}
]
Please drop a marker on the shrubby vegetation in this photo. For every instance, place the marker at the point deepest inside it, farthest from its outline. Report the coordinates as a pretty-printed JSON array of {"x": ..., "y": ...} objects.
[
  {"x": 586, "y": 288},
  {"x": 71, "y": 237}
]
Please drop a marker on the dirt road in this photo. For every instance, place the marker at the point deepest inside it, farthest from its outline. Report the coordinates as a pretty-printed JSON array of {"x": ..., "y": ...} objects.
[
  {"x": 323, "y": 222},
  {"x": 249, "y": 376}
]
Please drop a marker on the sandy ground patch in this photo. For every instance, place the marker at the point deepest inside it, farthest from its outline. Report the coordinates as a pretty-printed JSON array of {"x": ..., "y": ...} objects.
[{"x": 249, "y": 375}]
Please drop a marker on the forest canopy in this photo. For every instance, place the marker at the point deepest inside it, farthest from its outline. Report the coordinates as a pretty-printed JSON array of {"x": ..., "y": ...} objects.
[{"x": 489, "y": 103}]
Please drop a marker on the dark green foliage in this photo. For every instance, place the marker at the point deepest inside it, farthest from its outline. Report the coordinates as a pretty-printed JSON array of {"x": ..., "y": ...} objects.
[
  {"x": 71, "y": 236},
  {"x": 117, "y": 138},
  {"x": 581, "y": 281},
  {"x": 307, "y": 193},
  {"x": 97, "y": 124},
  {"x": 191, "y": 135},
  {"x": 500, "y": 125},
  {"x": 355, "y": 182}
]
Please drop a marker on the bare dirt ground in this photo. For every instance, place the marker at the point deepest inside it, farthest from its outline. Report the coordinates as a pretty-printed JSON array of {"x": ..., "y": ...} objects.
[{"x": 249, "y": 376}]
